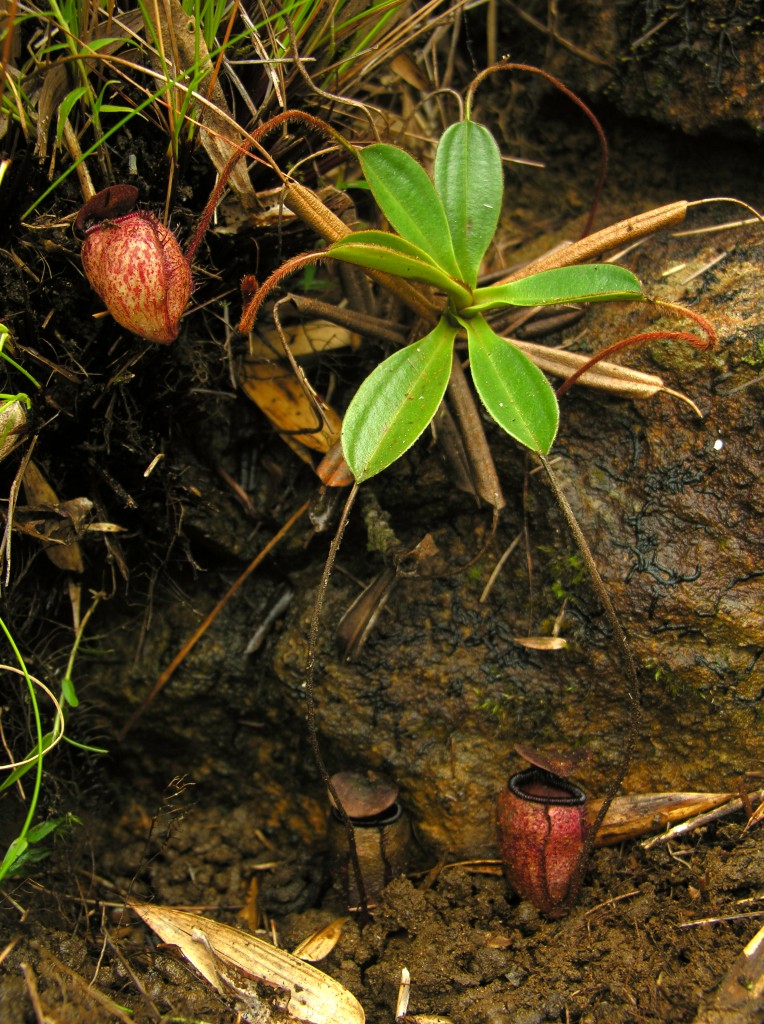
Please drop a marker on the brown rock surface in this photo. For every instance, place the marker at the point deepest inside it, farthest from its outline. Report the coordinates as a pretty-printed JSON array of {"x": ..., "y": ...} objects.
[{"x": 695, "y": 66}]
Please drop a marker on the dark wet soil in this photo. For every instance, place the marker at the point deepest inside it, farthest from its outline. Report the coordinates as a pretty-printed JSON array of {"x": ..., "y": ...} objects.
[{"x": 632, "y": 951}]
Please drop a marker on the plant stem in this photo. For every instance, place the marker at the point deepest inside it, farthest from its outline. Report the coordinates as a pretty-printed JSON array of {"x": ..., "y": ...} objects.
[
  {"x": 310, "y": 696},
  {"x": 19, "y": 843},
  {"x": 633, "y": 695}
]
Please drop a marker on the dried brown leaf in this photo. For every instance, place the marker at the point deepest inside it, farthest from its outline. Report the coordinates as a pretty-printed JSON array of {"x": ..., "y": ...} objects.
[
  {"x": 303, "y": 339},
  {"x": 55, "y": 86},
  {"x": 607, "y": 376},
  {"x": 231, "y": 961},
  {"x": 64, "y": 554},
  {"x": 591, "y": 246},
  {"x": 281, "y": 396}
]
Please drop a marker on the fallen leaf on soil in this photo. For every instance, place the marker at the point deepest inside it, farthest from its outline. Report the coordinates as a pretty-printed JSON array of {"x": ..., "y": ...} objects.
[
  {"x": 282, "y": 397},
  {"x": 321, "y": 942},
  {"x": 266, "y": 980},
  {"x": 307, "y": 339}
]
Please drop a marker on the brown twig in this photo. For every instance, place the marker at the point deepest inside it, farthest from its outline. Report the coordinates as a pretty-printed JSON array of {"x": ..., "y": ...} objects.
[{"x": 702, "y": 819}]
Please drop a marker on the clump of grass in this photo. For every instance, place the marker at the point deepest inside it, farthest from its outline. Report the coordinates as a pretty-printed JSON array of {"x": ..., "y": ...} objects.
[
  {"x": 90, "y": 69},
  {"x": 32, "y": 844}
]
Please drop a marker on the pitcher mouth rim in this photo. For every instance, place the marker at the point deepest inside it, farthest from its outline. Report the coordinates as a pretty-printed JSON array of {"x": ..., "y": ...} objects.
[
  {"x": 575, "y": 795},
  {"x": 386, "y": 817}
]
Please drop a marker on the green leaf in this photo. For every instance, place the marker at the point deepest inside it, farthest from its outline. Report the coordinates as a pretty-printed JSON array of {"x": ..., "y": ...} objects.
[
  {"x": 387, "y": 240},
  {"x": 65, "y": 109},
  {"x": 512, "y": 388},
  {"x": 396, "y": 402},
  {"x": 68, "y": 691},
  {"x": 13, "y": 856},
  {"x": 408, "y": 199},
  {"x": 470, "y": 182},
  {"x": 598, "y": 282},
  {"x": 380, "y": 250},
  {"x": 38, "y": 832}
]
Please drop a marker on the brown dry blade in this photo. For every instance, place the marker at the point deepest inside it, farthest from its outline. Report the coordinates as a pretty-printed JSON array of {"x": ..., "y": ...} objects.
[
  {"x": 451, "y": 443},
  {"x": 283, "y": 399},
  {"x": 483, "y": 469},
  {"x": 640, "y": 814},
  {"x": 65, "y": 555},
  {"x": 593, "y": 246},
  {"x": 607, "y": 376},
  {"x": 755, "y": 818},
  {"x": 362, "y": 323},
  {"x": 542, "y": 643},
  {"x": 55, "y": 86},
  {"x": 321, "y": 942},
  {"x": 362, "y": 615},
  {"x": 191, "y": 51},
  {"x": 227, "y": 957},
  {"x": 740, "y": 996}
]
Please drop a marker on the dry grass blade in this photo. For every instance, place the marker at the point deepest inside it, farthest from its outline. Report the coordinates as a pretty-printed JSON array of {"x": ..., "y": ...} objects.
[
  {"x": 593, "y": 246},
  {"x": 542, "y": 643},
  {"x": 231, "y": 960},
  {"x": 755, "y": 818},
  {"x": 358, "y": 323},
  {"x": 190, "y": 50},
  {"x": 612, "y": 377}
]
